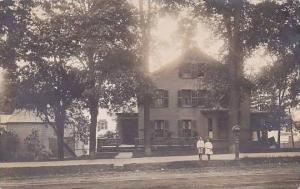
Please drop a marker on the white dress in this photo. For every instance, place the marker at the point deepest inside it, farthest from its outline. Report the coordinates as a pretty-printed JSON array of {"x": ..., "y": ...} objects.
[
  {"x": 200, "y": 146},
  {"x": 208, "y": 148}
]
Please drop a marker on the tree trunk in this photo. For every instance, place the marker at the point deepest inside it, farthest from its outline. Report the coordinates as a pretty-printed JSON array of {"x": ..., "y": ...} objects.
[
  {"x": 66, "y": 146},
  {"x": 147, "y": 130},
  {"x": 93, "y": 107},
  {"x": 145, "y": 68},
  {"x": 235, "y": 70},
  {"x": 60, "y": 124},
  {"x": 235, "y": 89},
  {"x": 278, "y": 137},
  {"x": 292, "y": 136}
]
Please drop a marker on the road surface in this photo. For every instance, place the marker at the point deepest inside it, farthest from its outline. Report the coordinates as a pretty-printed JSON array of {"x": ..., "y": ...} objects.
[
  {"x": 251, "y": 177},
  {"x": 121, "y": 162}
]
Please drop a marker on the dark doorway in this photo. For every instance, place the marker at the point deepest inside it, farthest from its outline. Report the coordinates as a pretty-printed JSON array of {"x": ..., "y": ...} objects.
[
  {"x": 129, "y": 133},
  {"x": 128, "y": 128}
]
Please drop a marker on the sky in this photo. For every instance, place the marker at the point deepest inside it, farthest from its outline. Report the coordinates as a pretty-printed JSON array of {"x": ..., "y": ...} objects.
[{"x": 167, "y": 46}]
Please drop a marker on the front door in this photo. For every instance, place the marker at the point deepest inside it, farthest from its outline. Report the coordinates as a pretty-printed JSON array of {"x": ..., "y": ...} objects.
[{"x": 129, "y": 131}]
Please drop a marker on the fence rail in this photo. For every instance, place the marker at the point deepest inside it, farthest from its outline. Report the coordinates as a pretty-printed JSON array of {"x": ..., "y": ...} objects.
[
  {"x": 180, "y": 141},
  {"x": 102, "y": 142},
  {"x": 174, "y": 141}
]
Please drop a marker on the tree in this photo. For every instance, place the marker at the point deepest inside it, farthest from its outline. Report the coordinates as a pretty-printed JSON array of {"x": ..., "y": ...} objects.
[
  {"x": 273, "y": 92},
  {"x": 107, "y": 38},
  {"x": 106, "y": 29},
  {"x": 145, "y": 100},
  {"x": 281, "y": 37},
  {"x": 46, "y": 82},
  {"x": 7, "y": 94},
  {"x": 15, "y": 17}
]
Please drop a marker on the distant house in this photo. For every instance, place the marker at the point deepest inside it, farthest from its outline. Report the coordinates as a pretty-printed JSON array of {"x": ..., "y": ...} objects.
[
  {"x": 23, "y": 122},
  {"x": 296, "y": 118}
]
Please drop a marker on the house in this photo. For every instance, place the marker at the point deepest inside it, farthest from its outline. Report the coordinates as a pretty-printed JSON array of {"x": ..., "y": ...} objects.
[
  {"x": 181, "y": 107},
  {"x": 24, "y": 122}
]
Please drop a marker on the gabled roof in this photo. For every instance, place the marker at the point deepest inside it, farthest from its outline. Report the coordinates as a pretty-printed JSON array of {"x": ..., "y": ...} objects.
[
  {"x": 21, "y": 116},
  {"x": 189, "y": 54}
]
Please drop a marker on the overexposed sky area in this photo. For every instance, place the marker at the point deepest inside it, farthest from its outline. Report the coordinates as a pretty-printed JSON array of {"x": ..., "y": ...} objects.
[{"x": 166, "y": 46}]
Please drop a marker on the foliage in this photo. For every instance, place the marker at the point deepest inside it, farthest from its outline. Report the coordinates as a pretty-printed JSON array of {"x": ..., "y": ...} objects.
[
  {"x": 14, "y": 19},
  {"x": 110, "y": 134},
  {"x": 8, "y": 144},
  {"x": 7, "y": 94},
  {"x": 276, "y": 83},
  {"x": 107, "y": 55},
  {"x": 78, "y": 120},
  {"x": 46, "y": 82},
  {"x": 273, "y": 93},
  {"x": 34, "y": 146}
]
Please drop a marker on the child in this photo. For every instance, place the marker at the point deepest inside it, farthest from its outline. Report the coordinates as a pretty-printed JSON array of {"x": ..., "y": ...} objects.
[
  {"x": 208, "y": 148},
  {"x": 200, "y": 147}
]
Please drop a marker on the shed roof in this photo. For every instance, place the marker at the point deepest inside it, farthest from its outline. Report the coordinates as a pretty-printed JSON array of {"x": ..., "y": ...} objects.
[{"x": 21, "y": 116}]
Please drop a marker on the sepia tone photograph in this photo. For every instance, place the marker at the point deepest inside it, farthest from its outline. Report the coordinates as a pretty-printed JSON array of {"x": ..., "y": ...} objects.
[{"x": 149, "y": 94}]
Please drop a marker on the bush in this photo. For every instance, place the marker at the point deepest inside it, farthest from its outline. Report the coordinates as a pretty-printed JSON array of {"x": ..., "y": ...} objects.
[
  {"x": 110, "y": 134},
  {"x": 36, "y": 150},
  {"x": 9, "y": 142}
]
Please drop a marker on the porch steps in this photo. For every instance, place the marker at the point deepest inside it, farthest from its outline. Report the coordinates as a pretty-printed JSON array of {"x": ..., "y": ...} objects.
[{"x": 124, "y": 155}]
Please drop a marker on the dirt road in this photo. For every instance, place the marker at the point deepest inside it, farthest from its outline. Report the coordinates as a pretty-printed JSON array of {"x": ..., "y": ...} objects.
[{"x": 254, "y": 177}]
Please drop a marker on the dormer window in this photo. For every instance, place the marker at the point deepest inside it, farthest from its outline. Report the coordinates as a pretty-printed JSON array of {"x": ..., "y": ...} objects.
[{"x": 191, "y": 71}]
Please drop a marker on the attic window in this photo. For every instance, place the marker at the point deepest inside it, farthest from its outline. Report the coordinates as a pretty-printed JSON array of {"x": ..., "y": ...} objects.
[{"x": 191, "y": 71}]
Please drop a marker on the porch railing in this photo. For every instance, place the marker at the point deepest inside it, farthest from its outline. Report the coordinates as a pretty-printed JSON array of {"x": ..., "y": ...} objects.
[
  {"x": 181, "y": 141},
  {"x": 167, "y": 141},
  {"x": 108, "y": 142}
]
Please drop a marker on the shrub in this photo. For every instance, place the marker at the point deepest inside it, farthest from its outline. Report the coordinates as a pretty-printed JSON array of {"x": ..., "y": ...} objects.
[
  {"x": 36, "y": 150},
  {"x": 110, "y": 134},
  {"x": 9, "y": 142}
]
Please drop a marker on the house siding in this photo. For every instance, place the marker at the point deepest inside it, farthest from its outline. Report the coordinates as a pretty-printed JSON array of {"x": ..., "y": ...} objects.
[{"x": 168, "y": 79}]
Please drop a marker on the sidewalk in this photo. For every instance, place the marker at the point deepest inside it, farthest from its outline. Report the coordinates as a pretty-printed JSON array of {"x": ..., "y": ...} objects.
[{"x": 125, "y": 161}]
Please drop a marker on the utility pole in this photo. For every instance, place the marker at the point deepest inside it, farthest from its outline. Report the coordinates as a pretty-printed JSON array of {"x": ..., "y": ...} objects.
[{"x": 145, "y": 29}]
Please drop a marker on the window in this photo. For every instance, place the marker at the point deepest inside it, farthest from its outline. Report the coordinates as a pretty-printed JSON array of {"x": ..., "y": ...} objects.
[
  {"x": 185, "y": 72},
  {"x": 185, "y": 98},
  {"x": 160, "y": 98},
  {"x": 186, "y": 128},
  {"x": 191, "y": 71},
  {"x": 161, "y": 128},
  {"x": 102, "y": 125},
  {"x": 191, "y": 98}
]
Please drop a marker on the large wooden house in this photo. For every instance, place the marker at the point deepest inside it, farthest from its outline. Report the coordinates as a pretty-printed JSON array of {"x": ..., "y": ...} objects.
[{"x": 181, "y": 108}]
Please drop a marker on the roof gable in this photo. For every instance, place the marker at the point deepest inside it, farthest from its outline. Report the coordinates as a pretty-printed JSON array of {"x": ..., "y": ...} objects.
[
  {"x": 193, "y": 55},
  {"x": 21, "y": 116}
]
